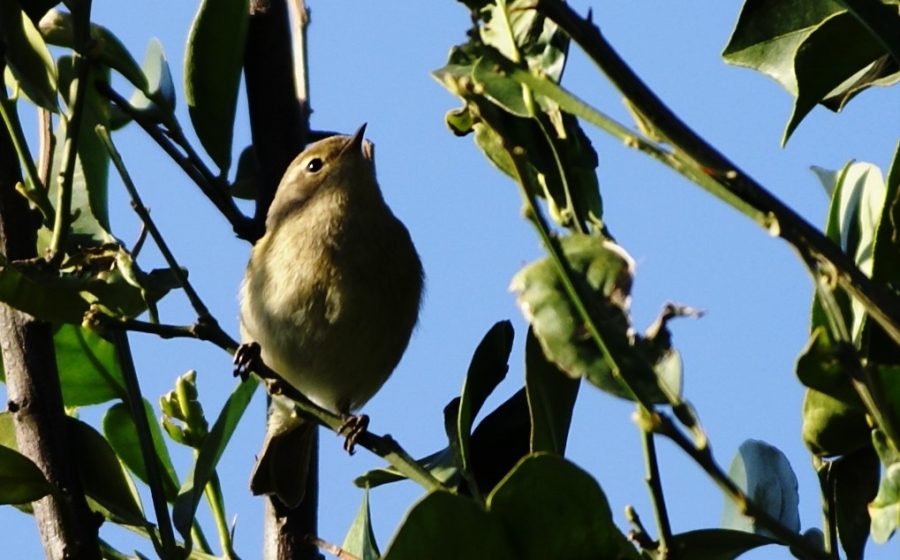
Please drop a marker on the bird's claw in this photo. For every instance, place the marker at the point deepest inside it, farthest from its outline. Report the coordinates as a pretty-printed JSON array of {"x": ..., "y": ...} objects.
[
  {"x": 352, "y": 428},
  {"x": 245, "y": 357}
]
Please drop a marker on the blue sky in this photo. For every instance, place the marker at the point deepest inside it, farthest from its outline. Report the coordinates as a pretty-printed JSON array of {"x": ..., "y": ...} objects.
[{"x": 370, "y": 62}]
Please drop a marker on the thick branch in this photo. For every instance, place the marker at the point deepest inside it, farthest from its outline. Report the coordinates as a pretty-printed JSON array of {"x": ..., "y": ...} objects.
[{"x": 68, "y": 528}]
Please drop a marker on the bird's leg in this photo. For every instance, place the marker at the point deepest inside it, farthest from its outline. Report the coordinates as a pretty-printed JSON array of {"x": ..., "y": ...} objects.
[
  {"x": 352, "y": 427},
  {"x": 245, "y": 357}
]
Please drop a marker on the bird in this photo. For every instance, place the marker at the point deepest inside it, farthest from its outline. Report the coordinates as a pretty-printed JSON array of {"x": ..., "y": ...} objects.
[{"x": 330, "y": 298}]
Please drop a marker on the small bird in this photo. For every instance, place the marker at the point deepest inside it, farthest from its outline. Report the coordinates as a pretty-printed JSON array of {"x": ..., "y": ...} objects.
[{"x": 331, "y": 295}]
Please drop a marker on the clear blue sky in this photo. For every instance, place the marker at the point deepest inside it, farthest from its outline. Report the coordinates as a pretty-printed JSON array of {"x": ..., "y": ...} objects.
[{"x": 370, "y": 62}]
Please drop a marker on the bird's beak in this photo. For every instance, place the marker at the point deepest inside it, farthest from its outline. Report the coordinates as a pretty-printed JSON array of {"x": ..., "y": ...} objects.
[{"x": 357, "y": 140}]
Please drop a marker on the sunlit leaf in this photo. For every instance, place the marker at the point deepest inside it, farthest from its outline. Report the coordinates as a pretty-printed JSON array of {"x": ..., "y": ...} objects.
[
  {"x": 208, "y": 457},
  {"x": 89, "y": 370},
  {"x": 885, "y": 509},
  {"x": 120, "y": 431},
  {"x": 360, "y": 539}
]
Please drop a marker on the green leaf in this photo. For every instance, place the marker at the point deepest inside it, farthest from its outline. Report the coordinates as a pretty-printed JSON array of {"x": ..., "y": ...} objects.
[
  {"x": 212, "y": 74},
  {"x": 360, "y": 539},
  {"x": 208, "y": 457},
  {"x": 120, "y": 431},
  {"x": 159, "y": 98},
  {"x": 21, "y": 481},
  {"x": 443, "y": 526},
  {"x": 766, "y": 477},
  {"x": 182, "y": 405},
  {"x": 717, "y": 544},
  {"x": 836, "y": 50},
  {"x": 27, "y": 56},
  {"x": 857, "y": 204},
  {"x": 247, "y": 176},
  {"x": 57, "y": 29},
  {"x": 855, "y": 482},
  {"x": 602, "y": 272},
  {"x": 881, "y": 19},
  {"x": 832, "y": 427},
  {"x": 820, "y": 367},
  {"x": 885, "y": 509},
  {"x": 768, "y": 33},
  {"x": 89, "y": 370},
  {"x": 441, "y": 465},
  {"x": 553, "y": 509},
  {"x": 486, "y": 370},
  {"x": 500, "y": 441},
  {"x": 551, "y": 398},
  {"x": 104, "y": 479}
]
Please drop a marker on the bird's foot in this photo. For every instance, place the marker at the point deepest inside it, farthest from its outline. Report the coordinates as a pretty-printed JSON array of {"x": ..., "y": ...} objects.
[
  {"x": 245, "y": 357},
  {"x": 353, "y": 427}
]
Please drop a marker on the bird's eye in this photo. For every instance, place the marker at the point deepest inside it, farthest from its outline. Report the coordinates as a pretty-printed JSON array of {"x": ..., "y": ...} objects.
[{"x": 314, "y": 165}]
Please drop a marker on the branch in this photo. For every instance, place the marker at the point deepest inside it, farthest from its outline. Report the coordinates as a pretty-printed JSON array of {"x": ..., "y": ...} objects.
[
  {"x": 815, "y": 249},
  {"x": 66, "y": 524},
  {"x": 192, "y": 167}
]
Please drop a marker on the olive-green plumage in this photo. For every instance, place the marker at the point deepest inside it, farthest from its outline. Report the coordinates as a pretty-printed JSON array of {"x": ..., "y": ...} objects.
[{"x": 331, "y": 295}]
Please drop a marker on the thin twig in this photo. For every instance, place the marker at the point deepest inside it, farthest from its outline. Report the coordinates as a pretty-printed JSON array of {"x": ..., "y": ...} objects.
[
  {"x": 654, "y": 483},
  {"x": 148, "y": 451},
  {"x": 225, "y": 204},
  {"x": 63, "y": 220},
  {"x": 47, "y": 146},
  {"x": 202, "y": 311},
  {"x": 383, "y": 446}
]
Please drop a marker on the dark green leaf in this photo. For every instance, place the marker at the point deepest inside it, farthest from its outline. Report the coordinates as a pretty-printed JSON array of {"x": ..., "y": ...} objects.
[
  {"x": 247, "y": 176},
  {"x": 553, "y": 509},
  {"x": 360, "y": 539},
  {"x": 855, "y": 479},
  {"x": 500, "y": 441},
  {"x": 885, "y": 509},
  {"x": 120, "y": 431},
  {"x": 89, "y": 370},
  {"x": 832, "y": 427},
  {"x": 820, "y": 367},
  {"x": 27, "y": 56},
  {"x": 486, "y": 370},
  {"x": 766, "y": 477},
  {"x": 716, "y": 544},
  {"x": 443, "y": 526},
  {"x": 208, "y": 457},
  {"x": 830, "y": 55},
  {"x": 103, "y": 477},
  {"x": 551, "y": 398},
  {"x": 881, "y": 19},
  {"x": 212, "y": 74},
  {"x": 768, "y": 33}
]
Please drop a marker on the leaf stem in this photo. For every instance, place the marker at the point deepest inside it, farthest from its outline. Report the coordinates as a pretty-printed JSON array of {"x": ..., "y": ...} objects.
[
  {"x": 35, "y": 191},
  {"x": 654, "y": 483}
]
